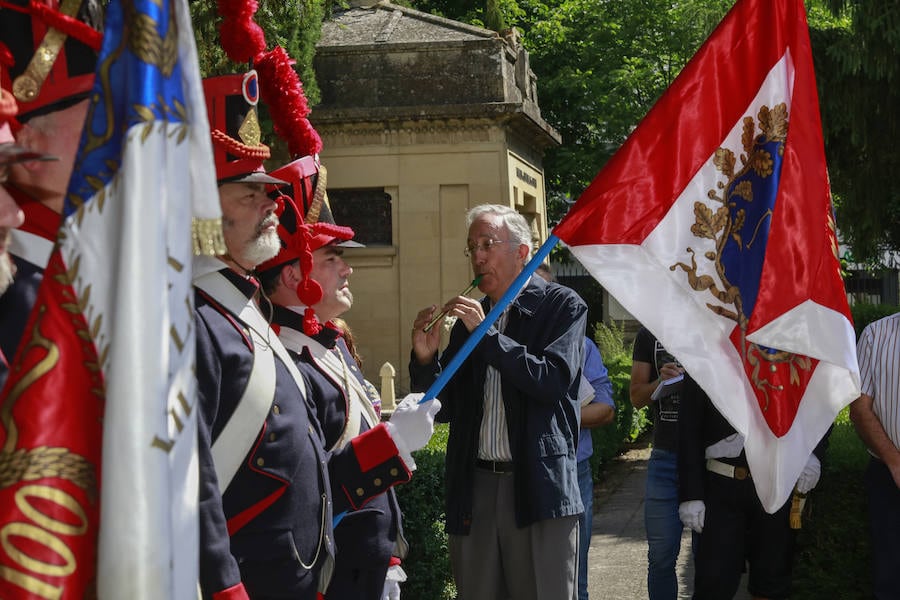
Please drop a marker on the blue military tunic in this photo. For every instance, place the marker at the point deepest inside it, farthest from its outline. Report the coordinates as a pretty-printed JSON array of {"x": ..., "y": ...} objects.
[
  {"x": 362, "y": 472},
  {"x": 30, "y": 248},
  {"x": 271, "y": 530}
]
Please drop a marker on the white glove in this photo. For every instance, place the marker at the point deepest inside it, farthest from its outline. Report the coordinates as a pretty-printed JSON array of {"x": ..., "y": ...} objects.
[
  {"x": 411, "y": 426},
  {"x": 692, "y": 514},
  {"x": 810, "y": 475},
  {"x": 395, "y": 575}
]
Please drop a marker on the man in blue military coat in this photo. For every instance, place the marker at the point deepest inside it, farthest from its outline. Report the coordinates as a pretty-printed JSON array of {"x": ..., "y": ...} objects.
[
  {"x": 264, "y": 501},
  {"x": 52, "y": 105},
  {"x": 308, "y": 284}
]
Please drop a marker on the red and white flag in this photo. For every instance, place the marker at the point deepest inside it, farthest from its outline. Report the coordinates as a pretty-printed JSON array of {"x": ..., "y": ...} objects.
[
  {"x": 99, "y": 489},
  {"x": 713, "y": 226}
]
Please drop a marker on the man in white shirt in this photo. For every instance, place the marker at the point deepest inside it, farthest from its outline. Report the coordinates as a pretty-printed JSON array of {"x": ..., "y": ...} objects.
[{"x": 876, "y": 416}]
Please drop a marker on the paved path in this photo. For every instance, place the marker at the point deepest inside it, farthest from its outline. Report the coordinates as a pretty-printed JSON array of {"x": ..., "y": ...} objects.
[{"x": 617, "y": 563}]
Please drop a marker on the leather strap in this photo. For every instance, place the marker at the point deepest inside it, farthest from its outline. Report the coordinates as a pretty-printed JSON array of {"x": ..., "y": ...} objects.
[
  {"x": 720, "y": 468},
  {"x": 358, "y": 405},
  {"x": 30, "y": 247},
  {"x": 242, "y": 429}
]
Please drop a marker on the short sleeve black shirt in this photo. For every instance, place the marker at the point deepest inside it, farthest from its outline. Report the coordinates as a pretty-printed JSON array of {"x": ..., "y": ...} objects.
[{"x": 665, "y": 410}]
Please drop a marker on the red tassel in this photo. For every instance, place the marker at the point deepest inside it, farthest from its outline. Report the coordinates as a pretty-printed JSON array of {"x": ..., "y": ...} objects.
[
  {"x": 311, "y": 325},
  {"x": 309, "y": 291}
]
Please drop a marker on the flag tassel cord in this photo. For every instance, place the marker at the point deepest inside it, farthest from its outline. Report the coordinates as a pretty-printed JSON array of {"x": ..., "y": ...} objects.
[{"x": 511, "y": 292}]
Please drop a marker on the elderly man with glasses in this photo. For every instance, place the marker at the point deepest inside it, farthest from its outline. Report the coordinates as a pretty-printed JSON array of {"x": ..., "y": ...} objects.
[{"x": 513, "y": 500}]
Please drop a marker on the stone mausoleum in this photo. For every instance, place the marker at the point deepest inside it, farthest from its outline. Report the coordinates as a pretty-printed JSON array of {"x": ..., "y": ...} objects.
[{"x": 421, "y": 118}]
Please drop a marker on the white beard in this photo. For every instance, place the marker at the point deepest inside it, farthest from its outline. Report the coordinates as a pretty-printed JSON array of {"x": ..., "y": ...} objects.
[{"x": 261, "y": 249}]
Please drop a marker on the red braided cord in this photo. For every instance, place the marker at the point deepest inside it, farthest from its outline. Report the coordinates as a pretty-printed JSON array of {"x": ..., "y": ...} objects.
[{"x": 232, "y": 146}]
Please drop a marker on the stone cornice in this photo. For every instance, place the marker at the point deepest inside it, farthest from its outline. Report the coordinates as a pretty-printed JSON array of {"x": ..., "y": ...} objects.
[{"x": 429, "y": 124}]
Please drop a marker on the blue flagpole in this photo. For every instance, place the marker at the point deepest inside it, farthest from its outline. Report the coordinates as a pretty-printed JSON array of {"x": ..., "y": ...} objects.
[{"x": 512, "y": 291}]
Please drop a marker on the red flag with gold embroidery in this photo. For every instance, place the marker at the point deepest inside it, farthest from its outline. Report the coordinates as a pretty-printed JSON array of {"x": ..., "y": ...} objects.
[
  {"x": 51, "y": 453},
  {"x": 713, "y": 226}
]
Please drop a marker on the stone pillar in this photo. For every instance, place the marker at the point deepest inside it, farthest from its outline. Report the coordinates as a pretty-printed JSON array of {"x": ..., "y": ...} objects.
[{"x": 388, "y": 397}]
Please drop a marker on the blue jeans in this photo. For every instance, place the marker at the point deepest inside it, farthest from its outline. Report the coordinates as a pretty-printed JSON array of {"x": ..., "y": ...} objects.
[
  {"x": 662, "y": 524},
  {"x": 585, "y": 523}
]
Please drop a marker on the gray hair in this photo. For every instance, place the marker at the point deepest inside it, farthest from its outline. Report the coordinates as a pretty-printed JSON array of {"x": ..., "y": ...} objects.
[{"x": 516, "y": 224}]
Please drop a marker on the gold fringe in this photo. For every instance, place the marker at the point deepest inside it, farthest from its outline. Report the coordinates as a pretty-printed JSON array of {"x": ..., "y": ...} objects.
[
  {"x": 208, "y": 237},
  {"x": 798, "y": 501}
]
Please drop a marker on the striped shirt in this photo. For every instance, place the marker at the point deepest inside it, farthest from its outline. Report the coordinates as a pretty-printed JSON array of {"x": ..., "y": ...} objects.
[
  {"x": 493, "y": 437},
  {"x": 878, "y": 350}
]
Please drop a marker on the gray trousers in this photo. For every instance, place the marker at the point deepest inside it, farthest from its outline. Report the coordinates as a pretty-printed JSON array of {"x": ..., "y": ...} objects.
[{"x": 499, "y": 561}]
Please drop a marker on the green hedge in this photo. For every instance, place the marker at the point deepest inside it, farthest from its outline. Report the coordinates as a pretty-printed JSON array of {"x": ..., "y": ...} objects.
[
  {"x": 833, "y": 557},
  {"x": 422, "y": 501},
  {"x": 629, "y": 423}
]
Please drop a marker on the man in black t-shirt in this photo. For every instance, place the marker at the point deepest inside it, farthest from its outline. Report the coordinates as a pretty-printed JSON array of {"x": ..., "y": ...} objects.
[{"x": 651, "y": 365}]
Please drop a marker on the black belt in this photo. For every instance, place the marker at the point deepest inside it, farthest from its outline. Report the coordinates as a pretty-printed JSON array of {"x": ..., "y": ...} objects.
[{"x": 494, "y": 466}]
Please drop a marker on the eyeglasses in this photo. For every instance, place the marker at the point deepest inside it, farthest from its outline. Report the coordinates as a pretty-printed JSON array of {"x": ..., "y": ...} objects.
[{"x": 484, "y": 246}]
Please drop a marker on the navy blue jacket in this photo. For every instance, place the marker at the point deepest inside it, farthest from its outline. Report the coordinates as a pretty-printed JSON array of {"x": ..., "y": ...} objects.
[
  {"x": 539, "y": 357},
  {"x": 16, "y": 303},
  {"x": 267, "y": 531},
  {"x": 361, "y": 473}
]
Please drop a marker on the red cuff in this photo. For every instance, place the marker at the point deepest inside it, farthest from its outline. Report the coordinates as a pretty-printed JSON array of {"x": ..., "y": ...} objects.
[
  {"x": 394, "y": 562},
  {"x": 235, "y": 592},
  {"x": 374, "y": 447}
]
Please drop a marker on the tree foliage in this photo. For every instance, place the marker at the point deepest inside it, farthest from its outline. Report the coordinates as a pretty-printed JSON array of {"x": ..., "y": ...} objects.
[
  {"x": 601, "y": 64},
  {"x": 293, "y": 24},
  {"x": 859, "y": 91}
]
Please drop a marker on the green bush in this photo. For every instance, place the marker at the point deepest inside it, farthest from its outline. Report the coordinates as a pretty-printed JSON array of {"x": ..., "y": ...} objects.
[
  {"x": 422, "y": 501},
  {"x": 629, "y": 424},
  {"x": 863, "y": 314},
  {"x": 833, "y": 555}
]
